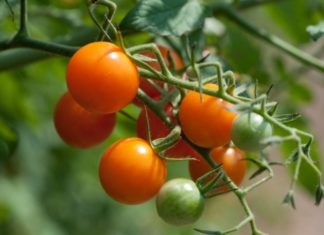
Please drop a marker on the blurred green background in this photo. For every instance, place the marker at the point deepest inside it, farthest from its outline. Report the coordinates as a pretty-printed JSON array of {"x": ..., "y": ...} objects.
[{"x": 49, "y": 188}]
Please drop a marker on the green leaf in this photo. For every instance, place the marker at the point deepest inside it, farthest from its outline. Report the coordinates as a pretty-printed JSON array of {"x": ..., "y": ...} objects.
[
  {"x": 165, "y": 17},
  {"x": 243, "y": 53},
  {"x": 291, "y": 20},
  {"x": 316, "y": 31}
]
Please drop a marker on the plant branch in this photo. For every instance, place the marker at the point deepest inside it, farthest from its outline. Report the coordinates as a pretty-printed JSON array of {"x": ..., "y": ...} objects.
[
  {"x": 23, "y": 31},
  {"x": 14, "y": 56},
  {"x": 254, "y": 3},
  {"x": 269, "y": 38}
]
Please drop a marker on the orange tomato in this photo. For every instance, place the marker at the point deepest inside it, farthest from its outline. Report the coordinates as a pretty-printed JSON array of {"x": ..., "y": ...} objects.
[
  {"x": 130, "y": 172},
  {"x": 102, "y": 78},
  {"x": 206, "y": 123},
  {"x": 232, "y": 159},
  {"x": 79, "y": 127}
]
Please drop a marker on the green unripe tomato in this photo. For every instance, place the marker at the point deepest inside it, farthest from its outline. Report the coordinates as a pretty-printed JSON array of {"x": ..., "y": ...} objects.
[
  {"x": 248, "y": 131},
  {"x": 179, "y": 202}
]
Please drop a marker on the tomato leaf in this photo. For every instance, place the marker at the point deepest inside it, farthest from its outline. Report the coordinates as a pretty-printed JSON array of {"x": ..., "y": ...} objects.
[
  {"x": 165, "y": 17},
  {"x": 316, "y": 31}
]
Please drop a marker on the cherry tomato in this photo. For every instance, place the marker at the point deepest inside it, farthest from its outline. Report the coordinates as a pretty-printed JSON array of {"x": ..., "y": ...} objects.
[
  {"x": 101, "y": 77},
  {"x": 179, "y": 202},
  {"x": 206, "y": 123},
  {"x": 159, "y": 130},
  {"x": 79, "y": 127},
  {"x": 249, "y": 129},
  {"x": 232, "y": 159},
  {"x": 130, "y": 172},
  {"x": 145, "y": 85}
]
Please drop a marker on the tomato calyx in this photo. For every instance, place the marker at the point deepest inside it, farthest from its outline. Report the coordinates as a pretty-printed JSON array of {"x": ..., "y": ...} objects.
[
  {"x": 212, "y": 183},
  {"x": 162, "y": 145}
]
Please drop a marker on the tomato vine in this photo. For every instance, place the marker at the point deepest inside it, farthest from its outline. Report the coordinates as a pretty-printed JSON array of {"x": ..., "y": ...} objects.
[{"x": 226, "y": 82}]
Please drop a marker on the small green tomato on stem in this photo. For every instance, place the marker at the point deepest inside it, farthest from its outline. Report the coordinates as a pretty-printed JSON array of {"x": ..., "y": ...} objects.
[
  {"x": 249, "y": 130},
  {"x": 179, "y": 202}
]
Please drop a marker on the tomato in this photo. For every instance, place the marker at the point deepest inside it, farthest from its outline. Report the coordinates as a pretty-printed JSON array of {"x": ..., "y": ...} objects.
[
  {"x": 249, "y": 129},
  {"x": 159, "y": 130},
  {"x": 179, "y": 202},
  {"x": 145, "y": 85},
  {"x": 206, "y": 123},
  {"x": 101, "y": 77},
  {"x": 232, "y": 159},
  {"x": 130, "y": 172},
  {"x": 79, "y": 127}
]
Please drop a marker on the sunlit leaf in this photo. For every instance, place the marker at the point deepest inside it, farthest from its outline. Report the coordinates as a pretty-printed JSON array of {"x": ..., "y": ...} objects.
[{"x": 165, "y": 17}]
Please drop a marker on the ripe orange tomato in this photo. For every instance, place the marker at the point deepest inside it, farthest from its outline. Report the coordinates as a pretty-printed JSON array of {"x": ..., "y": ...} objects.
[
  {"x": 232, "y": 159},
  {"x": 101, "y": 77},
  {"x": 150, "y": 90},
  {"x": 130, "y": 172},
  {"x": 207, "y": 123},
  {"x": 79, "y": 127},
  {"x": 159, "y": 130}
]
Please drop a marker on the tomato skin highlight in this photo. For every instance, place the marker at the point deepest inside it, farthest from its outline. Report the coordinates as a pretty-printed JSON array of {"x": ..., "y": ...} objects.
[
  {"x": 130, "y": 172},
  {"x": 101, "y": 77},
  {"x": 208, "y": 123},
  {"x": 179, "y": 202},
  {"x": 232, "y": 159},
  {"x": 79, "y": 127},
  {"x": 249, "y": 129}
]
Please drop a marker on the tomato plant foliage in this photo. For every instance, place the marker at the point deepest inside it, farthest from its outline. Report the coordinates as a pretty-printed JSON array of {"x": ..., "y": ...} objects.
[
  {"x": 165, "y": 17},
  {"x": 59, "y": 185}
]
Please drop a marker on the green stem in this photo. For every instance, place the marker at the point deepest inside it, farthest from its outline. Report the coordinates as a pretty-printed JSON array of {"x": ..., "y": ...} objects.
[
  {"x": 269, "y": 38},
  {"x": 237, "y": 227},
  {"x": 247, "y": 209},
  {"x": 112, "y": 7},
  {"x": 155, "y": 108},
  {"x": 21, "y": 41},
  {"x": 127, "y": 115},
  {"x": 258, "y": 183},
  {"x": 254, "y": 3},
  {"x": 23, "y": 18},
  {"x": 14, "y": 57}
]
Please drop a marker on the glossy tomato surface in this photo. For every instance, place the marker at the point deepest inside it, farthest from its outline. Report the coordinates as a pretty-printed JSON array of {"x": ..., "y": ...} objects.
[
  {"x": 130, "y": 172},
  {"x": 79, "y": 127},
  {"x": 102, "y": 78},
  {"x": 206, "y": 122}
]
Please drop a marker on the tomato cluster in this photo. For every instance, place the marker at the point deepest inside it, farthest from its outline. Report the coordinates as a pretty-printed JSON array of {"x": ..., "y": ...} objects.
[{"x": 101, "y": 80}]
